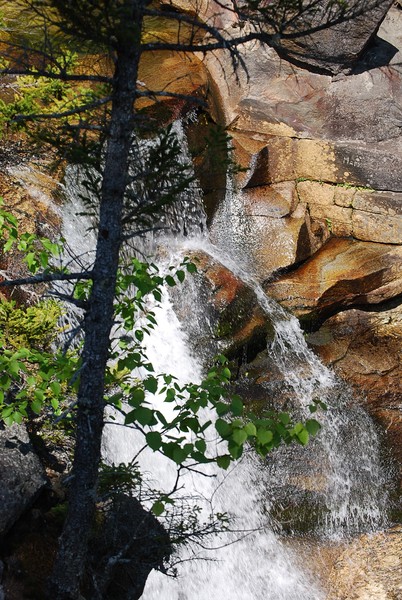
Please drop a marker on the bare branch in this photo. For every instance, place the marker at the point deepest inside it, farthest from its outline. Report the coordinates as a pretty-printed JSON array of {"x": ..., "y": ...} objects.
[{"x": 46, "y": 278}]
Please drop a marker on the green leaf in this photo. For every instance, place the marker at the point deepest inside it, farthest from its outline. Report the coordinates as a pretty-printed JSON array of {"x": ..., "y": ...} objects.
[
  {"x": 191, "y": 267},
  {"x": 39, "y": 395},
  {"x": 226, "y": 373},
  {"x": 130, "y": 417},
  {"x": 55, "y": 387},
  {"x": 312, "y": 426},
  {"x": 154, "y": 440},
  {"x": 151, "y": 384},
  {"x": 170, "y": 280},
  {"x": 236, "y": 406},
  {"x": 223, "y": 461},
  {"x": 54, "y": 403},
  {"x": 239, "y": 436},
  {"x": 180, "y": 276},
  {"x": 17, "y": 417},
  {"x": 223, "y": 428},
  {"x": 284, "y": 418},
  {"x": 14, "y": 367},
  {"x": 179, "y": 455},
  {"x": 139, "y": 334},
  {"x": 137, "y": 396},
  {"x": 250, "y": 429},
  {"x": 36, "y": 406},
  {"x": 303, "y": 436},
  {"x": 264, "y": 436},
  {"x": 170, "y": 395},
  {"x": 201, "y": 445},
  {"x": 222, "y": 408},
  {"x": 158, "y": 508},
  {"x": 144, "y": 415}
]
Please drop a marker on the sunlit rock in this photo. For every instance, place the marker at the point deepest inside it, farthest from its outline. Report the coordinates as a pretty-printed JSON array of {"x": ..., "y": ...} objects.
[
  {"x": 342, "y": 274},
  {"x": 227, "y": 310}
]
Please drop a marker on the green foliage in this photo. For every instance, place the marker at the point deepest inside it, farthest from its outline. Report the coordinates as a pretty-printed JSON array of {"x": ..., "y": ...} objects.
[
  {"x": 33, "y": 327},
  {"x": 38, "y": 251},
  {"x": 32, "y": 377},
  {"x": 220, "y": 151}
]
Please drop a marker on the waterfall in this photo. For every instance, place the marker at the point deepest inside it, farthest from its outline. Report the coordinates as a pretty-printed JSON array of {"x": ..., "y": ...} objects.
[{"x": 253, "y": 562}]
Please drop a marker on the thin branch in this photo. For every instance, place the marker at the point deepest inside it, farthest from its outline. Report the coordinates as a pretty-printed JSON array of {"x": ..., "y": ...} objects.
[
  {"x": 152, "y": 93},
  {"x": 68, "y": 298},
  {"x": 46, "y": 278},
  {"x": 61, "y": 115}
]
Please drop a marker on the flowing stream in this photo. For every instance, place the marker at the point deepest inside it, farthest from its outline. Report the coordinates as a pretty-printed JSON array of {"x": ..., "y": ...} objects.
[{"x": 253, "y": 563}]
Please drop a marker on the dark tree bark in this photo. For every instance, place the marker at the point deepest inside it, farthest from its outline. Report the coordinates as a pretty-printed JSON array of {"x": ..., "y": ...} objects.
[{"x": 70, "y": 562}]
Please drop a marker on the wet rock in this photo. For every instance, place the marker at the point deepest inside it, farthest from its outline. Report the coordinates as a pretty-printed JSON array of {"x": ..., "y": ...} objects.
[
  {"x": 371, "y": 567},
  {"x": 364, "y": 348},
  {"x": 227, "y": 310},
  {"x": 343, "y": 273},
  {"x": 21, "y": 475}
]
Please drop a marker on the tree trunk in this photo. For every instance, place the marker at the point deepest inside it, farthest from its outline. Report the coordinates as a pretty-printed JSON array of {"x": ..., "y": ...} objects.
[{"x": 70, "y": 561}]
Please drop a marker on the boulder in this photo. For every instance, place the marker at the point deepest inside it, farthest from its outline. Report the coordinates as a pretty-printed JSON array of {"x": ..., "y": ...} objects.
[
  {"x": 280, "y": 99},
  {"x": 22, "y": 476},
  {"x": 343, "y": 273},
  {"x": 338, "y": 162},
  {"x": 371, "y": 567},
  {"x": 264, "y": 228},
  {"x": 127, "y": 545}
]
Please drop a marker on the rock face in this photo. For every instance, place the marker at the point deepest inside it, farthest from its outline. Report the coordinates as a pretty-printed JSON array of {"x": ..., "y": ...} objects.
[
  {"x": 370, "y": 568},
  {"x": 21, "y": 475},
  {"x": 343, "y": 273},
  {"x": 316, "y": 212},
  {"x": 335, "y": 45}
]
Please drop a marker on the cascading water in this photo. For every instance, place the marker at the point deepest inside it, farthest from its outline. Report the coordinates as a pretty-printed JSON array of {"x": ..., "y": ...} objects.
[
  {"x": 354, "y": 497},
  {"x": 258, "y": 566}
]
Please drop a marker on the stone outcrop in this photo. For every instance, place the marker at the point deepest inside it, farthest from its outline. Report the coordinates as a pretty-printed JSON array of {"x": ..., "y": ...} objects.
[
  {"x": 348, "y": 211},
  {"x": 342, "y": 274},
  {"x": 370, "y": 568},
  {"x": 228, "y": 307},
  {"x": 328, "y": 36},
  {"x": 21, "y": 475},
  {"x": 317, "y": 210}
]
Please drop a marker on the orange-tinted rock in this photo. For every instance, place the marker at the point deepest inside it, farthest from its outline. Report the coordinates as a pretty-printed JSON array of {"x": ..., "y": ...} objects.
[
  {"x": 341, "y": 274},
  {"x": 170, "y": 72},
  {"x": 229, "y": 306}
]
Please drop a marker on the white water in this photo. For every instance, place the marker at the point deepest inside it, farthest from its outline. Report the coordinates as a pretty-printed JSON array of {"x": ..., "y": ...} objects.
[{"x": 259, "y": 566}]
